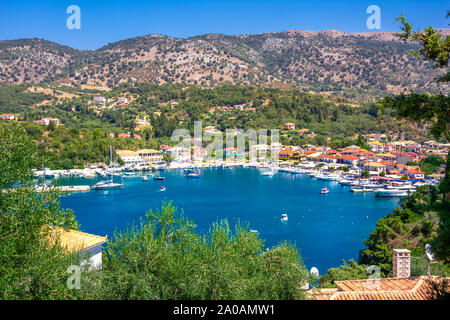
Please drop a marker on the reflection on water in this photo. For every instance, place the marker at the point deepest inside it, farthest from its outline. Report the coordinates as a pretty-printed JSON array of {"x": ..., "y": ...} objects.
[{"x": 325, "y": 228}]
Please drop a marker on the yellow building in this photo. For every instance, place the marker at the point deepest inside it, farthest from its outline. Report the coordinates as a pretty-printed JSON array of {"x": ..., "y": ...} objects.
[{"x": 150, "y": 156}]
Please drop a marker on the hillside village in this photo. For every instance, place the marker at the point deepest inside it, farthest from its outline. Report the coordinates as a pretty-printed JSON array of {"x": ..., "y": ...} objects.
[{"x": 381, "y": 154}]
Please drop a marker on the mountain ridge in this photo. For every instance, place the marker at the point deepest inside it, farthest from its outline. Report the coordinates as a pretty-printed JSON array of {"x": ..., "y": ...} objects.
[{"x": 326, "y": 60}]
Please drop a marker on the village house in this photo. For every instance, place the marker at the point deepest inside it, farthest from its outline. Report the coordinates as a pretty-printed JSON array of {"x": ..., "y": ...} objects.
[
  {"x": 398, "y": 145},
  {"x": 289, "y": 126},
  {"x": 402, "y": 286},
  {"x": 375, "y": 137},
  {"x": 259, "y": 148},
  {"x": 386, "y": 156},
  {"x": 374, "y": 166},
  {"x": 388, "y": 147},
  {"x": 164, "y": 147},
  {"x": 100, "y": 99},
  {"x": 376, "y": 146},
  {"x": 122, "y": 100},
  {"x": 74, "y": 241},
  {"x": 389, "y": 165},
  {"x": 179, "y": 153},
  {"x": 130, "y": 157},
  {"x": 276, "y": 147},
  {"x": 111, "y": 135},
  {"x": 140, "y": 124},
  {"x": 123, "y": 135},
  {"x": 211, "y": 129},
  {"x": 414, "y": 174},
  {"x": 431, "y": 145},
  {"x": 46, "y": 121},
  {"x": 295, "y": 155},
  {"x": 229, "y": 152},
  {"x": 150, "y": 156},
  {"x": 302, "y": 131},
  {"x": 348, "y": 159},
  {"x": 7, "y": 117},
  {"x": 413, "y": 147},
  {"x": 328, "y": 158},
  {"x": 227, "y": 109},
  {"x": 312, "y": 155}
]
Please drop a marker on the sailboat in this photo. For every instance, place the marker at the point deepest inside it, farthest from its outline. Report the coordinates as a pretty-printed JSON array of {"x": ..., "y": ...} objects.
[{"x": 109, "y": 184}]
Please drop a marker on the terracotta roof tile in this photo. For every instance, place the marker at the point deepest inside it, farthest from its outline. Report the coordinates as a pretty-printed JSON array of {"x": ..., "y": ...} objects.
[{"x": 418, "y": 288}]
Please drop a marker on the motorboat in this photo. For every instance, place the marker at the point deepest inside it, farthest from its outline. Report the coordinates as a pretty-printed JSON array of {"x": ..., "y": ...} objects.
[
  {"x": 363, "y": 189},
  {"x": 144, "y": 178},
  {"x": 284, "y": 217},
  {"x": 324, "y": 190},
  {"x": 106, "y": 185},
  {"x": 158, "y": 178},
  {"x": 345, "y": 182},
  {"x": 405, "y": 187},
  {"x": 129, "y": 174},
  {"x": 395, "y": 191},
  {"x": 162, "y": 188},
  {"x": 329, "y": 176}
]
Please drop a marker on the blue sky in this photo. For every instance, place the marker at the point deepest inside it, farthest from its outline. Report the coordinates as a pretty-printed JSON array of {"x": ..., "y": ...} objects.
[{"x": 108, "y": 21}]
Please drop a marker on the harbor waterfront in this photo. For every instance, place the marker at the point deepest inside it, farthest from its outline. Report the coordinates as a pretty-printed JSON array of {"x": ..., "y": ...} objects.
[{"x": 326, "y": 228}]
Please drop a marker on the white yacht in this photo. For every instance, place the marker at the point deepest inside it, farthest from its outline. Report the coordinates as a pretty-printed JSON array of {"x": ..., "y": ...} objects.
[
  {"x": 362, "y": 189},
  {"x": 390, "y": 193},
  {"x": 345, "y": 182}
]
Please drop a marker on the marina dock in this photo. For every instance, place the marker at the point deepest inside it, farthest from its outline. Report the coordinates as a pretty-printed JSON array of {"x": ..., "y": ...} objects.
[{"x": 68, "y": 189}]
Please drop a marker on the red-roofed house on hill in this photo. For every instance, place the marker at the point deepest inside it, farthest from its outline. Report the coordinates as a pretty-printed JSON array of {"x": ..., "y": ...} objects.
[
  {"x": 328, "y": 158},
  {"x": 124, "y": 135},
  {"x": 289, "y": 155},
  {"x": 348, "y": 159},
  {"x": 7, "y": 117},
  {"x": 414, "y": 147},
  {"x": 402, "y": 286}
]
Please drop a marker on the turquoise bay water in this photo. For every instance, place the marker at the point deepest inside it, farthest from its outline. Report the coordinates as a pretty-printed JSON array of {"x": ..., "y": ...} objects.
[{"x": 325, "y": 228}]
